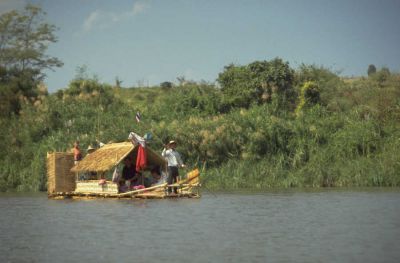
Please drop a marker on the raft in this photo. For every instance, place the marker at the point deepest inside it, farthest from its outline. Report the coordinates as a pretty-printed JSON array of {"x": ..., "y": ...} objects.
[{"x": 64, "y": 178}]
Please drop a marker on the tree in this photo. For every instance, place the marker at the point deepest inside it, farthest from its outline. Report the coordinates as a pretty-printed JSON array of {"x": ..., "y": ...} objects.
[
  {"x": 24, "y": 39},
  {"x": 258, "y": 82},
  {"x": 166, "y": 85},
  {"x": 371, "y": 70},
  {"x": 328, "y": 81},
  {"x": 385, "y": 71},
  {"x": 272, "y": 77},
  {"x": 381, "y": 76},
  {"x": 235, "y": 86}
]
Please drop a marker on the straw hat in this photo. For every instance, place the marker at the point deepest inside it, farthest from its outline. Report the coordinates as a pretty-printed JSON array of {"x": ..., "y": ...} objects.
[
  {"x": 172, "y": 142},
  {"x": 90, "y": 148}
]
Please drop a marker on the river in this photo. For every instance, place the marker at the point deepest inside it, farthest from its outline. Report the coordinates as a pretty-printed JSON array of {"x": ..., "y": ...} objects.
[{"x": 276, "y": 226}]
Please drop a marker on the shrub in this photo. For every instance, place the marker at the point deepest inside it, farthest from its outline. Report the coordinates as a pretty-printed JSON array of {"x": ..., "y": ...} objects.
[{"x": 309, "y": 95}]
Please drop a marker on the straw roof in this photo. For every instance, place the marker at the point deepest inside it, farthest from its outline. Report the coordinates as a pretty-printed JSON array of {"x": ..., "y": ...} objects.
[{"x": 108, "y": 156}]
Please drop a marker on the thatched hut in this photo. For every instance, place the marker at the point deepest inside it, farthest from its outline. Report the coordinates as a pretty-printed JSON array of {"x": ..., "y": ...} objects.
[{"x": 104, "y": 159}]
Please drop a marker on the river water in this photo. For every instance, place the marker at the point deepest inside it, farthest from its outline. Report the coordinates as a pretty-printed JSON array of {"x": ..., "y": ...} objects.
[{"x": 280, "y": 226}]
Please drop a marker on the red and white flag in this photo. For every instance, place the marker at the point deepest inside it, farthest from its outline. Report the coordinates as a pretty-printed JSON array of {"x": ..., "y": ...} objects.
[{"x": 138, "y": 116}]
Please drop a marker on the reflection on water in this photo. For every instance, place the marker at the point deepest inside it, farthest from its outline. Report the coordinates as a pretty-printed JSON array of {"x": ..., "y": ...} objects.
[{"x": 325, "y": 226}]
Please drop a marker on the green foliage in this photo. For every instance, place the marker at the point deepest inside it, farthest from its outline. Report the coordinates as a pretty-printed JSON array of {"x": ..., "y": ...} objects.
[
  {"x": 349, "y": 138},
  {"x": 9, "y": 102},
  {"x": 257, "y": 82},
  {"x": 166, "y": 85},
  {"x": 193, "y": 100},
  {"x": 381, "y": 76},
  {"x": 235, "y": 86},
  {"x": 370, "y": 98},
  {"x": 328, "y": 82},
  {"x": 319, "y": 74},
  {"x": 309, "y": 95},
  {"x": 24, "y": 39}
]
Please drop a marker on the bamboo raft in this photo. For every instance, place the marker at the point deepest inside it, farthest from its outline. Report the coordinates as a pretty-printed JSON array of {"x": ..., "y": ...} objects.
[
  {"x": 188, "y": 190},
  {"x": 63, "y": 176},
  {"x": 146, "y": 193}
]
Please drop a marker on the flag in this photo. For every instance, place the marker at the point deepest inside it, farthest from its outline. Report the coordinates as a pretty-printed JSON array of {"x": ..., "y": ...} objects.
[{"x": 138, "y": 116}]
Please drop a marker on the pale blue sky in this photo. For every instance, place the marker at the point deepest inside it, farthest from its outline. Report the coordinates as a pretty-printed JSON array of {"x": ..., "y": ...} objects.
[{"x": 151, "y": 41}]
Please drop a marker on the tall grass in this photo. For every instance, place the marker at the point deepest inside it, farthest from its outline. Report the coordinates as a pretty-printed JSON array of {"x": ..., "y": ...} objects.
[{"x": 351, "y": 138}]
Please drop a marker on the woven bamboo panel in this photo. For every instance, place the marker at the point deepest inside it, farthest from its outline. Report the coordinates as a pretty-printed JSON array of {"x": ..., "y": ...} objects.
[
  {"x": 59, "y": 175},
  {"x": 94, "y": 187}
]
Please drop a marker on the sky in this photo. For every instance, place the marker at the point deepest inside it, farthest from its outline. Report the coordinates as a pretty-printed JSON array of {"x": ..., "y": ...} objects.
[{"x": 147, "y": 42}]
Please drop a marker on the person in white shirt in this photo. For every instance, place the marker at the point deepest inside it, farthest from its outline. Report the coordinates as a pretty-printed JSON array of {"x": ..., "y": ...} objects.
[{"x": 174, "y": 162}]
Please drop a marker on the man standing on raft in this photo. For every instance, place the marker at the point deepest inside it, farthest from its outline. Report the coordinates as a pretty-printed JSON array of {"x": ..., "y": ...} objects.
[{"x": 174, "y": 162}]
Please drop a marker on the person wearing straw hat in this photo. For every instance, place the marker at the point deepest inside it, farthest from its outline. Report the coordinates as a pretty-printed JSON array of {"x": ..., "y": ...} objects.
[
  {"x": 90, "y": 149},
  {"x": 174, "y": 161}
]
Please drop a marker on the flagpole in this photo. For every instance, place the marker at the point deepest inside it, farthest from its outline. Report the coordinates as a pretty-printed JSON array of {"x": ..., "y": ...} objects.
[{"x": 138, "y": 118}]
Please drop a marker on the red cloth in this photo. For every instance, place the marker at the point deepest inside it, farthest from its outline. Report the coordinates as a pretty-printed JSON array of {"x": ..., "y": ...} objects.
[{"x": 141, "y": 159}]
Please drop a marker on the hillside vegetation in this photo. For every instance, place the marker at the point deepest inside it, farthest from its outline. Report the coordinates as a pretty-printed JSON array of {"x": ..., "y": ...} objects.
[
  {"x": 262, "y": 125},
  {"x": 265, "y": 125}
]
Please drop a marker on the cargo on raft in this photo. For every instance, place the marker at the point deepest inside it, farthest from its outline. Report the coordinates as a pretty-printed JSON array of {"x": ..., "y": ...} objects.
[{"x": 94, "y": 175}]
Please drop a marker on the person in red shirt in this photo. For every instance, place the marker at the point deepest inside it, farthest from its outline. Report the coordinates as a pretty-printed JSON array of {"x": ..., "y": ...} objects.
[{"x": 77, "y": 152}]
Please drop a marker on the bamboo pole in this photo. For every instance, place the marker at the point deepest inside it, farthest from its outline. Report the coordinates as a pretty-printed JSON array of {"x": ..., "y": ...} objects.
[
  {"x": 142, "y": 190},
  {"x": 178, "y": 185}
]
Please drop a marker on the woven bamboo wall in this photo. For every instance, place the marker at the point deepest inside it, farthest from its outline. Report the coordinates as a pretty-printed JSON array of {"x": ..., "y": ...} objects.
[
  {"x": 94, "y": 187},
  {"x": 59, "y": 175}
]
